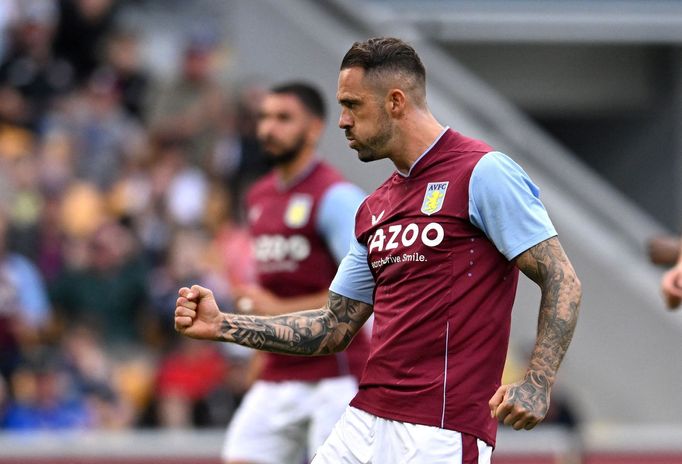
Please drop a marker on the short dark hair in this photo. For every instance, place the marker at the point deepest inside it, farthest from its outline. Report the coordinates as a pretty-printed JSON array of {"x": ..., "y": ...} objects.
[
  {"x": 307, "y": 94},
  {"x": 386, "y": 54}
]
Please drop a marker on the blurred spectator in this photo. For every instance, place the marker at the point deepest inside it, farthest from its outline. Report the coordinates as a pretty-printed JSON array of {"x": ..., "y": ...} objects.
[
  {"x": 50, "y": 247},
  {"x": 85, "y": 357},
  {"x": 82, "y": 28},
  {"x": 238, "y": 159},
  {"x": 92, "y": 370},
  {"x": 187, "y": 377},
  {"x": 134, "y": 376},
  {"x": 82, "y": 210},
  {"x": 56, "y": 154},
  {"x": 122, "y": 60},
  {"x": 9, "y": 12},
  {"x": 30, "y": 75},
  {"x": 10, "y": 350},
  {"x": 103, "y": 135},
  {"x": 105, "y": 289},
  {"x": 185, "y": 198},
  {"x": 24, "y": 308},
  {"x": 44, "y": 397},
  {"x": 4, "y": 398},
  {"x": 191, "y": 107},
  {"x": 62, "y": 203},
  {"x": 25, "y": 203},
  {"x": 188, "y": 261},
  {"x": 137, "y": 197},
  {"x": 27, "y": 209},
  {"x": 231, "y": 241}
]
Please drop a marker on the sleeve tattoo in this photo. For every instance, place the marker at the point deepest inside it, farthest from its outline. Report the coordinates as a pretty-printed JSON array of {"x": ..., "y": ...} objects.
[
  {"x": 548, "y": 266},
  {"x": 316, "y": 332}
]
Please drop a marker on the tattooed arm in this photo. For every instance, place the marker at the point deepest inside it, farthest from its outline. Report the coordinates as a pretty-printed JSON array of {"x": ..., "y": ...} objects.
[
  {"x": 524, "y": 404},
  {"x": 315, "y": 332}
]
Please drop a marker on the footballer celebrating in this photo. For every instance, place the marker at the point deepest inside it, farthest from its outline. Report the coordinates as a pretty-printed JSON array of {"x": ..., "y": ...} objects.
[{"x": 436, "y": 257}]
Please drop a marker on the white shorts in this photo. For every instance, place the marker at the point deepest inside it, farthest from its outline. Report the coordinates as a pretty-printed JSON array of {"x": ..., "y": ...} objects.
[
  {"x": 278, "y": 421},
  {"x": 362, "y": 438}
]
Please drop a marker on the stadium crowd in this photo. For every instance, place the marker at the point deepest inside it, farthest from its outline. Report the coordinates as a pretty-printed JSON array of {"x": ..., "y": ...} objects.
[{"x": 116, "y": 188}]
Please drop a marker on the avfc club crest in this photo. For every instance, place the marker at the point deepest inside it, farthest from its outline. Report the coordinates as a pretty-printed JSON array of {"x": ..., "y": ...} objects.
[
  {"x": 298, "y": 210},
  {"x": 434, "y": 197}
]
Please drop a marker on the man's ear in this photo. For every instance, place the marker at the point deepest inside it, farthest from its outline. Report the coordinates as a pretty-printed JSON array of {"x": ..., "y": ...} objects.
[{"x": 395, "y": 102}]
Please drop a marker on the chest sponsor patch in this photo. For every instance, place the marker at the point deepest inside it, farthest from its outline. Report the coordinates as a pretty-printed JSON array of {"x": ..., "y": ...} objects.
[
  {"x": 434, "y": 197},
  {"x": 298, "y": 210}
]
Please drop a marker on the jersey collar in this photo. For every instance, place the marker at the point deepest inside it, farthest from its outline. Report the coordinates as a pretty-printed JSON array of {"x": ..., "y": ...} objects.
[
  {"x": 284, "y": 186},
  {"x": 426, "y": 152}
]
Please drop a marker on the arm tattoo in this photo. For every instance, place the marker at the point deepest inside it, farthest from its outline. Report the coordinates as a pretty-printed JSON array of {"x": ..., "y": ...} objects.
[
  {"x": 548, "y": 266},
  {"x": 315, "y": 332}
]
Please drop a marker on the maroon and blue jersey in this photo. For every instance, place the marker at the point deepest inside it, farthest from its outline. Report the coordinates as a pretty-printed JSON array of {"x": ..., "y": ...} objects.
[
  {"x": 300, "y": 231},
  {"x": 433, "y": 254}
]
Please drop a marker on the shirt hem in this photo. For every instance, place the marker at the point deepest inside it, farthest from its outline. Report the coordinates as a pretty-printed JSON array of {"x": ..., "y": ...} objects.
[
  {"x": 432, "y": 422},
  {"x": 289, "y": 378}
]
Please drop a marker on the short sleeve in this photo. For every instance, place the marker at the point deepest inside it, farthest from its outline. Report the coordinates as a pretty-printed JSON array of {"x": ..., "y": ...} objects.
[
  {"x": 505, "y": 204},
  {"x": 336, "y": 217},
  {"x": 354, "y": 279}
]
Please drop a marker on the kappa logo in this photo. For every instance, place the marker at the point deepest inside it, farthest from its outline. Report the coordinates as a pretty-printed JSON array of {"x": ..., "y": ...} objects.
[
  {"x": 434, "y": 197},
  {"x": 298, "y": 211},
  {"x": 376, "y": 219}
]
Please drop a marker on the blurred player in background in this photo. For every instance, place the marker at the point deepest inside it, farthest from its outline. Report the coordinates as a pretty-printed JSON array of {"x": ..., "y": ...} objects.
[
  {"x": 301, "y": 222},
  {"x": 436, "y": 258}
]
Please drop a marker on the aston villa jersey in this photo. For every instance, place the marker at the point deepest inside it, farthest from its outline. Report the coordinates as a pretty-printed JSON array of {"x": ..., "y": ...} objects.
[
  {"x": 294, "y": 259},
  {"x": 437, "y": 246}
]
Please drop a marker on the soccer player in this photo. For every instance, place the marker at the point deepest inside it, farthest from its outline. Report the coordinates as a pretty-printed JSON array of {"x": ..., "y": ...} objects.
[
  {"x": 436, "y": 256},
  {"x": 301, "y": 222}
]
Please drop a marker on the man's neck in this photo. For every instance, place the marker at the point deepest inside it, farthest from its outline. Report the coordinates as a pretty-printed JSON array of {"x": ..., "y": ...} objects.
[{"x": 415, "y": 136}]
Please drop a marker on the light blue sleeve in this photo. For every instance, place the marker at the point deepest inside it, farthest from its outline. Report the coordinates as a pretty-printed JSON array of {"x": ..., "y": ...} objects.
[
  {"x": 505, "y": 204},
  {"x": 354, "y": 279},
  {"x": 336, "y": 216}
]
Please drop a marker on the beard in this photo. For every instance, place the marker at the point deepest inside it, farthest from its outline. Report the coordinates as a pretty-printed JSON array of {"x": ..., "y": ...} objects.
[
  {"x": 374, "y": 148},
  {"x": 285, "y": 154}
]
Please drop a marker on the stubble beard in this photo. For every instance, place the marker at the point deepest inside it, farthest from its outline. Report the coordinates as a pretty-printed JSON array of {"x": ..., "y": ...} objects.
[
  {"x": 375, "y": 147},
  {"x": 287, "y": 154}
]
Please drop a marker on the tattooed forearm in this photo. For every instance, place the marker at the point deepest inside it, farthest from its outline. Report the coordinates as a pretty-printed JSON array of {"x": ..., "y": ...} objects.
[
  {"x": 316, "y": 332},
  {"x": 547, "y": 265}
]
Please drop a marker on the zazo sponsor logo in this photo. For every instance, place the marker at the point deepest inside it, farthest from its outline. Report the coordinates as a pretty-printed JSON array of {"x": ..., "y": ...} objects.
[{"x": 431, "y": 235}]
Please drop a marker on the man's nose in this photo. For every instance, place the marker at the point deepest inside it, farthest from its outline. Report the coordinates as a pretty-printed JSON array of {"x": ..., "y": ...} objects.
[{"x": 345, "y": 121}]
